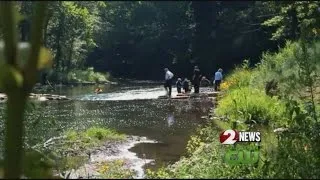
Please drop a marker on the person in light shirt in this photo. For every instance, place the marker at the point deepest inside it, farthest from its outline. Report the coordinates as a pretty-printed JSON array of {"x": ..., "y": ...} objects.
[
  {"x": 217, "y": 79},
  {"x": 168, "y": 81}
]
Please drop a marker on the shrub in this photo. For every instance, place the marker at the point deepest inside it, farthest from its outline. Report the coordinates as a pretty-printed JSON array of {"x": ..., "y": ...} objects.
[
  {"x": 92, "y": 137},
  {"x": 87, "y": 76},
  {"x": 240, "y": 77},
  {"x": 76, "y": 75},
  {"x": 246, "y": 104},
  {"x": 103, "y": 134},
  {"x": 284, "y": 67},
  {"x": 72, "y": 135}
]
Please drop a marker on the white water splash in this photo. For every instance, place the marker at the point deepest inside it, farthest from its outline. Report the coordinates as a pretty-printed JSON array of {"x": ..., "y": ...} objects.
[{"x": 145, "y": 93}]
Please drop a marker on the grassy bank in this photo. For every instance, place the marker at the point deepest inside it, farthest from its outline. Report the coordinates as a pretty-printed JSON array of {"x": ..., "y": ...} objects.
[
  {"x": 71, "y": 151},
  {"x": 282, "y": 91}
]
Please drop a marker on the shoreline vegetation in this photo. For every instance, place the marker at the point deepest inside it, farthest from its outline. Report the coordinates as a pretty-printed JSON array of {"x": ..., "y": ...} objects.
[
  {"x": 51, "y": 79},
  {"x": 280, "y": 97},
  {"x": 75, "y": 76}
]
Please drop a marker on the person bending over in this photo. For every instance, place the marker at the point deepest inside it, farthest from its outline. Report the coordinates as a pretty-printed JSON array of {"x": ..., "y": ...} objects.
[{"x": 204, "y": 82}]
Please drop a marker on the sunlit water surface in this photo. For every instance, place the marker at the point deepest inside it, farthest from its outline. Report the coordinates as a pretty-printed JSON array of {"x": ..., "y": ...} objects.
[{"x": 131, "y": 109}]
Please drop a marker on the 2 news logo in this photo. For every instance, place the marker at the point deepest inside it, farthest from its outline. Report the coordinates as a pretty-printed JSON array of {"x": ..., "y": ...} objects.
[{"x": 232, "y": 136}]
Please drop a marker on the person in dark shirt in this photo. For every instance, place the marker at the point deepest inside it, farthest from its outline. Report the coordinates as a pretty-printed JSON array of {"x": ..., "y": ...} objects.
[
  {"x": 196, "y": 79},
  {"x": 179, "y": 85},
  {"x": 186, "y": 85}
]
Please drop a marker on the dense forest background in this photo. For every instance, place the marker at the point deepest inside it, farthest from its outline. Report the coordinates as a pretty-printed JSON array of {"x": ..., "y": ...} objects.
[{"x": 137, "y": 39}]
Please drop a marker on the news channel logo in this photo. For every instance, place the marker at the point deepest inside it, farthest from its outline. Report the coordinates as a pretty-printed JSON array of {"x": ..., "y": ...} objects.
[{"x": 235, "y": 155}]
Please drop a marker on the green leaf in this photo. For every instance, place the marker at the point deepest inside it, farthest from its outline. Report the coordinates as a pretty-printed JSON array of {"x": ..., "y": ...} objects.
[
  {"x": 45, "y": 56},
  {"x": 45, "y": 59},
  {"x": 10, "y": 78},
  {"x": 18, "y": 17}
]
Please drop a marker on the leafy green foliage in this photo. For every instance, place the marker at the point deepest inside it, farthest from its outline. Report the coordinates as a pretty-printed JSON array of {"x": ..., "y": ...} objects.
[
  {"x": 10, "y": 78},
  {"x": 286, "y": 68},
  {"x": 88, "y": 75},
  {"x": 79, "y": 76},
  {"x": 291, "y": 16}
]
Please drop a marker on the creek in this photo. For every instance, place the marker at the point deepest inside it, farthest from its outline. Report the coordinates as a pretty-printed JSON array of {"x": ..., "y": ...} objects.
[{"x": 129, "y": 108}]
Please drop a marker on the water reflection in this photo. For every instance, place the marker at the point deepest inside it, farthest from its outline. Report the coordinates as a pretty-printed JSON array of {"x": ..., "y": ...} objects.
[{"x": 170, "y": 120}]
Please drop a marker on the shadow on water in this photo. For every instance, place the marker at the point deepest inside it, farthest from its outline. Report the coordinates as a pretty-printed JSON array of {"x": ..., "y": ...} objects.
[{"x": 171, "y": 122}]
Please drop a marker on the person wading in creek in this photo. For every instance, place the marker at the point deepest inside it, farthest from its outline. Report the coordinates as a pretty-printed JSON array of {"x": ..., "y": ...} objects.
[
  {"x": 217, "y": 79},
  {"x": 168, "y": 81},
  {"x": 196, "y": 79}
]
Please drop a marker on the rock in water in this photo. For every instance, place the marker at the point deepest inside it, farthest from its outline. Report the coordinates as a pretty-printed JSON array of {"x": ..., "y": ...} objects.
[{"x": 42, "y": 98}]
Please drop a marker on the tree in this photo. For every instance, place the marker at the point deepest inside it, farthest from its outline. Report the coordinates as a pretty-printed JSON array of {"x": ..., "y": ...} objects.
[{"x": 17, "y": 77}]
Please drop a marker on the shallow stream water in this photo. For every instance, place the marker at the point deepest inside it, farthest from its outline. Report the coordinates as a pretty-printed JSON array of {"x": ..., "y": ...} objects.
[{"x": 132, "y": 109}]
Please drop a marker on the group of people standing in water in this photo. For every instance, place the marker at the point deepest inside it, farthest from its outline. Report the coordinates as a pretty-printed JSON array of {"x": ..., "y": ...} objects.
[{"x": 197, "y": 81}]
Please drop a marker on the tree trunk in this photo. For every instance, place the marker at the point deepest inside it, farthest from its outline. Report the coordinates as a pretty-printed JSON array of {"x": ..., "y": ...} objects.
[
  {"x": 45, "y": 32},
  {"x": 24, "y": 30},
  {"x": 205, "y": 13},
  {"x": 59, "y": 37},
  {"x": 294, "y": 23},
  {"x": 14, "y": 134}
]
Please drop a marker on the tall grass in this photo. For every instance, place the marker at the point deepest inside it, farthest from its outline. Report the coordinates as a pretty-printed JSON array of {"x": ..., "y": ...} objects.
[
  {"x": 248, "y": 104},
  {"x": 94, "y": 136}
]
